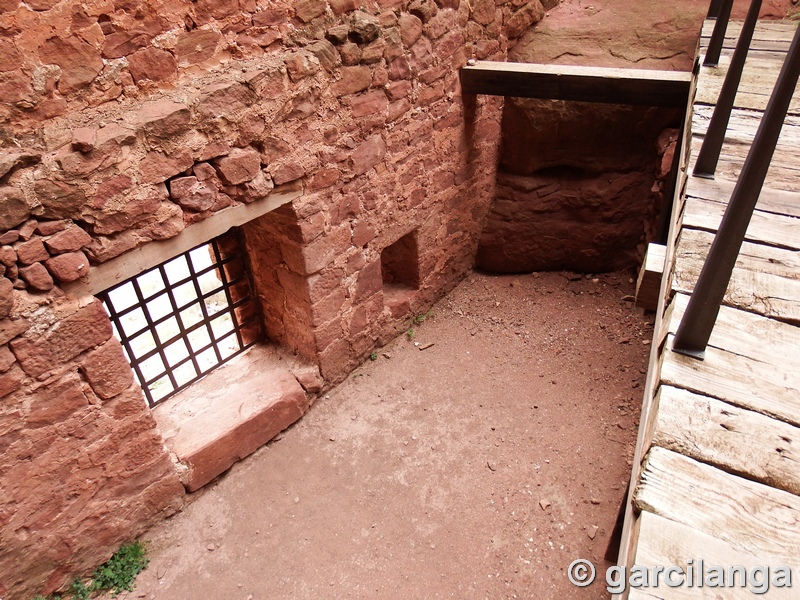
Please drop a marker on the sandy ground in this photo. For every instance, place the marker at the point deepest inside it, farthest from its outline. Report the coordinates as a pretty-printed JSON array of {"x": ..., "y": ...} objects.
[{"x": 475, "y": 459}]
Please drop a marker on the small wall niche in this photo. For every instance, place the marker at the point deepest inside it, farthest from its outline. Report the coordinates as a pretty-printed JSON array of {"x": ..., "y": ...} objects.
[
  {"x": 400, "y": 273},
  {"x": 400, "y": 264}
]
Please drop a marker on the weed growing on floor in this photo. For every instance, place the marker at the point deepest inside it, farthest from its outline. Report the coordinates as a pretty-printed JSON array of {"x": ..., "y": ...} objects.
[
  {"x": 116, "y": 575},
  {"x": 121, "y": 569},
  {"x": 373, "y": 356},
  {"x": 418, "y": 320}
]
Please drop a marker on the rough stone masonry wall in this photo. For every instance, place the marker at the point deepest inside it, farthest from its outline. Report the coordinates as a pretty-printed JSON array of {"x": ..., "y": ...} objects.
[{"x": 124, "y": 122}]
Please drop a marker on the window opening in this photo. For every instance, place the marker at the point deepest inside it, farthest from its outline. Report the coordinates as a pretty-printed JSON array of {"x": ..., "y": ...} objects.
[{"x": 180, "y": 320}]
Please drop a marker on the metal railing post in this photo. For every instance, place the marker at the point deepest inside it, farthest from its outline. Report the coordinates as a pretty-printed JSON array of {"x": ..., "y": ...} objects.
[
  {"x": 715, "y": 135},
  {"x": 701, "y": 313},
  {"x": 714, "y": 8},
  {"x": 718, "y": 36}
]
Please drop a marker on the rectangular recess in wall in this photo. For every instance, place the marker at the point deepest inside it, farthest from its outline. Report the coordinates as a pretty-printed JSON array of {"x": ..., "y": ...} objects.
[
  {"x": 400, "y": 264},
  {"x": 181, "y": 319}
]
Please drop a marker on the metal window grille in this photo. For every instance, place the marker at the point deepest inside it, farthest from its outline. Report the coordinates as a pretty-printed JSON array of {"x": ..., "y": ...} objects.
[{"x": 179, "y": 321}]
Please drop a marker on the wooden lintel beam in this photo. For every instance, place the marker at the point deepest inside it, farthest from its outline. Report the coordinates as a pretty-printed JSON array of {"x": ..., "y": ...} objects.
[{"x": 582, "y": 84}]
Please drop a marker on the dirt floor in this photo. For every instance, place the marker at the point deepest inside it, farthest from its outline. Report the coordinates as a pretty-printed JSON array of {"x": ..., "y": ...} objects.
[{"x": 476, "y": 457}]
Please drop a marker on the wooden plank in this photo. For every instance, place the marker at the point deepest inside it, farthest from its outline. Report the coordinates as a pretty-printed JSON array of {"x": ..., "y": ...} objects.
[
  {"x": 629, "y": 535},
  {"x": 663, "y": 542},
  {"x": 781, "y": 202},
  {"x": 755, "y": 88},
  {"x": 765, "y": 30},
  {"x": 747, "y": 334},
  {"x": 648, "y": 283},
  {"x": 765, "y": 228},
  {"x": 748, "y": 516},
  {"x": 758, "y": 386},
  {"x": 583, "y": 84},
  {"x": 103, "y": 276},
  {"x": 784, "y": 171},
  {"x": 765, "y": 280},
  {"x": 736, "y": 440}
]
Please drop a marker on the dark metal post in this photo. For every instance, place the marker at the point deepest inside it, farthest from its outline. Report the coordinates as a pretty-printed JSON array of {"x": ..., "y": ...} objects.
[
  {"x": 714, "y": 8},
  {"x": 718, "y": 36},
  {"x": 695, "y": 329},
  {"x": 712, "y": 144}
]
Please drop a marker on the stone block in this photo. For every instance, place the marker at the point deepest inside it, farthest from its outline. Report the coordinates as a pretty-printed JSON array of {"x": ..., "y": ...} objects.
[
  {"x": 157, "y": 166},
  {"x": 123, "y": 43},
  {"x": 37, "y": 277},
  {"x": 369, "y": 104},
  {"x": 196, "y": 46},
  {"x": 340, "y": 7},
  {"x": 43, "y": 351},
  {"x": 398, "y": 89},
  {"x": 363, "y": 233},
  {"x": 210, "y": 431},
  {"x": 69, "y": 240},
  {"x": 231, "y": 99},
  {"x": 130, "y": 212},
  {"x": 399, "y": 69},
  {"x": 424, "y": 9},
  {"x": 49, "y": 227},
  {"x": 301, "y": 64},
  {"x": 324, "y": 179},
  {"x": 107, "y": 370},
  {"x": 152, "y": 63},
  {"x": 9, "y": 237},
  {"x": 11, "y": 328},
  {"x": 353, "y": 79},
  {"x": 364, "y": 27},
  {"x": 328, "y": 308},
  {"x": 350, "y": 54},
  {"x": 84, "y": 139},
  {"x": 370, "y": 281},
  {"x": 6, "y": 359},
  {"x": 11, "y": 380},
  {"x": 6, "y": 297},
  {"x": 323, "y": 250},
  {"x": 80, "y": 61},
  {"x": 54, "y": 403},
  {"x": 305, "y": 10},
  {"x": 68, "y": 267},
  {"x": 163, "y": 118},
  {"x": 60, "y": 199},
  {"x": 8, "y": 256},
  {"x": 192, "y": 193},
  {"x": 410, "y": 29},
  {"x": 286, "y": 172},
  {"x": 240, "y": 166},
  {"x": 13, "y": 208},
  {"x": 530, "y": 14},
  {"x": 325, "y": 53},
  {"x": 368, "y": 154},
  {"x": 32, "y": 251}
]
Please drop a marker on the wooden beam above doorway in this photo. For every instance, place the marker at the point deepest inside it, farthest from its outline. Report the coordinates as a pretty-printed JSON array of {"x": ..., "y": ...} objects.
[{"x": 643, "y": 87}]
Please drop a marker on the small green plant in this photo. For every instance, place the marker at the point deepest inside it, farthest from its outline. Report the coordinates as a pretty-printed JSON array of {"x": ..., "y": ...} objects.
[
  {"x": 373, "y": 356},
  {"x": 422, "y": 317},
  {"x": 410, "y": 333},
  {"x": 80, "y": 590},
  {"x": 121, "y": 569}
]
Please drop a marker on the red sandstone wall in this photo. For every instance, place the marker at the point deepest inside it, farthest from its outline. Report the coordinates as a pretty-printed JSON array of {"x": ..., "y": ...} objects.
[
  {"x": 125, "y": 122},
  {"x": 576, "y": 188}
]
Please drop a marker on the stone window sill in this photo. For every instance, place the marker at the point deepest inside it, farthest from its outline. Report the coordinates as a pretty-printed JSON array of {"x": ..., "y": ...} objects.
[{"x": 235, "y": 410}]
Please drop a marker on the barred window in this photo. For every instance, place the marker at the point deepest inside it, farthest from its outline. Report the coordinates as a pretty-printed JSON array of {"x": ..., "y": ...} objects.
[{"x": 181, "y": 319}]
